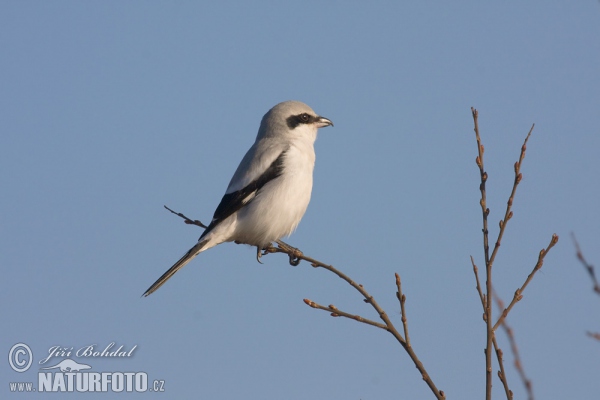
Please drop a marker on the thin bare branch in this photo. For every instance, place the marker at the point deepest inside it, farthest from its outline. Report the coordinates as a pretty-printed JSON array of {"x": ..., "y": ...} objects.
[
  {"x": 402, "y": 299},
  {"x": 485, "y": 211},
  {"x": 187, "y": 220},
  {"x": 519, "y": 293},
  {"x": 515, "y": 351},
  {"x": 489, "y": 259},
  {"x": 501, "y": 373},
  {"x": 335, "y": 312},
  {"x": 591, "y": 272},
  {"x": 382, "y": 314},
  {"x": 481, "y": 295},
  {"x": 594, "y": 335},
  {"x": 295, "y": 256},
  {"x": 588, "y": 267},
  {"x": 508, "y": 213},
  {"x": 318, "y": 264}
]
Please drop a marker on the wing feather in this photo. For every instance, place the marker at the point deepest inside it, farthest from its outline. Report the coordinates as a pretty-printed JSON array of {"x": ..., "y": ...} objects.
[{"x": 232, "y": 202}]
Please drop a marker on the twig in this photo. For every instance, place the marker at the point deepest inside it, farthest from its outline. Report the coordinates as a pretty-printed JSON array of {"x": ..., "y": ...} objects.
[
  {"x": 489, "y": 259},
  {"x": 481, "y": 295},
  {"x": 518, "y": 294},
  {"x": 335, "y": 312},
  {"x": 402, "y": 300},
  {"x": 501, "y": 372},
  {"x": 488, "y": 264},
  {"x": 296, "y": 255},
  {"x": 515, "y": 351},
  {"x": 389, "y": 326},
  {"x": 187, "y": 220},
  {"x": 594, "y": 335},
  {"x": 508, "y": 214},
  {"x": 588, "y": 267}
]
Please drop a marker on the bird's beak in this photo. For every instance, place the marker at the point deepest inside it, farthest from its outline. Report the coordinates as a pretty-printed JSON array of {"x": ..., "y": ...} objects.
[{"x": 323, "y": 122}]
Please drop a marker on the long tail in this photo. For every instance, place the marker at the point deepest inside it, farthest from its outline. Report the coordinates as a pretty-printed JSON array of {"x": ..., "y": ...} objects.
[{"x": 193, "y": 252}]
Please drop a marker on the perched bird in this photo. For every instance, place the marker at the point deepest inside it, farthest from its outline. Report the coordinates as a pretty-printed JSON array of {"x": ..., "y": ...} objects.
[{"x": 270, "y": 190}]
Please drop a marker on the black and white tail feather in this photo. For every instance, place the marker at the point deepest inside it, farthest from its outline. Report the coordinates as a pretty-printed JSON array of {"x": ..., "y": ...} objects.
[{"x": 270, "y": 190}]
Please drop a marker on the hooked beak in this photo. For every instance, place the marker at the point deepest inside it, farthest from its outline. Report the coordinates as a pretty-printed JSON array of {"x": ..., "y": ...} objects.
[{"x": 323, "y": 122}]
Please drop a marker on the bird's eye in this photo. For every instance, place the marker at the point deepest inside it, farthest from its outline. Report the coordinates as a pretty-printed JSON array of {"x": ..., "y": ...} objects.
[{"x": 304, "y": 117}]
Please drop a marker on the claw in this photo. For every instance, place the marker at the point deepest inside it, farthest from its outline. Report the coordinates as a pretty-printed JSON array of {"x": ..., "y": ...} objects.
[
  {"x": 294, "y": 261},
  {"x": 293, "y": 253},
  {"x": 258, "y": 254}
]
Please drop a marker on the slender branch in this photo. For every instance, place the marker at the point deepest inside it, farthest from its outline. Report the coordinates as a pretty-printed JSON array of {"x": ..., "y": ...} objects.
[
  {"x": 515, "y": 350},
  {"x": 481, "y": 295},
  {"x": 402, "y": 300},
  {"x": 295, "y": 256},
  {"x": 382, "y": 314},
  {"x": 188, "y": 220},
  {"x": 518, "y": 294},
  {"x": 590, "y": 270},
  {"x": 335, "y": 312},
  {"x": 501, "y": 373},
  {"x": 588, "y": 267},
  {"x": 508, "y": 214},
  {"x": 368, "y": 298},
  {"x": 594, "y": 335},
  {"x": 489, "y": 259},
  {"x": 488, "y": 264}
]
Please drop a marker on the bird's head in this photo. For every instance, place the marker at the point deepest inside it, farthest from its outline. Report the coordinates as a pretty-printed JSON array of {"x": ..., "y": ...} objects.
[{"x": 292, "y": 119}]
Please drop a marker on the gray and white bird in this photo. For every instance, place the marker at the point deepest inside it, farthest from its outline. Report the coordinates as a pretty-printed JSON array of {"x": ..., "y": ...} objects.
[{"x": 270, "y": 190}]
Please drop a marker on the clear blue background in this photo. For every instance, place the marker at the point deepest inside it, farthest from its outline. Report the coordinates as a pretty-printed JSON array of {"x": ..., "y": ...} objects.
[{"x": 111, "y": 109}]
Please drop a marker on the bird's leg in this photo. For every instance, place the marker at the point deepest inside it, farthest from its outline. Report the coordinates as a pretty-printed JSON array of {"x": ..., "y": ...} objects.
[{"x": 292, "y": 252}]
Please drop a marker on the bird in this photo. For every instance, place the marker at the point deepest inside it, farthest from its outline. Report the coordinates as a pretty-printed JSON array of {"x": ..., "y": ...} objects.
[{"x": 271, "y": 188}]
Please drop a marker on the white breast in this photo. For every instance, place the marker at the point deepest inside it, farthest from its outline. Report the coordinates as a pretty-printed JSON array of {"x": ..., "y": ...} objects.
[{"x": 280, "y": 205}]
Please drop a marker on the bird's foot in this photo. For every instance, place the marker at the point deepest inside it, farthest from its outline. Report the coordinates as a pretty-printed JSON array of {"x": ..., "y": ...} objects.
[
  {"x": 268, "y": 249},
  {"x": 292, "y": 252}
]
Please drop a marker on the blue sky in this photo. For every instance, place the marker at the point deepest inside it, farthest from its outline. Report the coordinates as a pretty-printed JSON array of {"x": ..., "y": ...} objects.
[{"x": 112, "y": 109}]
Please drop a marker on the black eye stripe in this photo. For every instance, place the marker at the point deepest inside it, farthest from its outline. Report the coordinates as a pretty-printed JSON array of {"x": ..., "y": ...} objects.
[{"x": 295, "y": 120}]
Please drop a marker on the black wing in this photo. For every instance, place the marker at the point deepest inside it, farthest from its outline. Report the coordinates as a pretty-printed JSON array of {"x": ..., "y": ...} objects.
[{"x": 232, "y": 202}]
